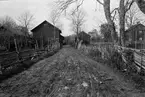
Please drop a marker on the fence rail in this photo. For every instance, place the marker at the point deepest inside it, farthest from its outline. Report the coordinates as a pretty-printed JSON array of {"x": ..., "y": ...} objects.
[
  {"x": 139, "y": 54},
  {"x": 13, "y": 58}
]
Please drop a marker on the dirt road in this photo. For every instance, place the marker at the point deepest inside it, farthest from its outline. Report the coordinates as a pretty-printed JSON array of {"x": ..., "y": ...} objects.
[{"x": 68, "y": 73}]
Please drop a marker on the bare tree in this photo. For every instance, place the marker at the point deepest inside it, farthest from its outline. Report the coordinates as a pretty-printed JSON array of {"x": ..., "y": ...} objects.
[
  {"x": 54, "y": 18},
  {"x": 63, "y": 5},
  {"x": 129, "y": 18},
  {"x": 8, "y": 21},
  {"x": 9, "y": 27},
  {"x": 77, "y": 20},
  {"x": 26, "y": 20},
  {"x": 124, "y": 6},
  {"x": 106, "y": 6},
  {"x": 132, "y": 17}
]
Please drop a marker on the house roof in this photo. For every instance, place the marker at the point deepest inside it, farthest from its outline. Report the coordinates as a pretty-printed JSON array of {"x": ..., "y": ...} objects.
[{"x": 40, "y": 25}]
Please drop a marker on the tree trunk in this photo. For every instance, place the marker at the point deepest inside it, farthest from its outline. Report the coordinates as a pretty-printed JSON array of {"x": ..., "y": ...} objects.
[
  {"x": 9, "y": 43},
  {"x": 77, "y": 38},
  {"x": 15, "y": 42},
  {"x": 122, "y": 21},
  {"x": 109, "y": 20}
]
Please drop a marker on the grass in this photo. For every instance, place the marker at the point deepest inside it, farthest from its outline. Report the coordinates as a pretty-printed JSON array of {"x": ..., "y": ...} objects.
[
  {"x": 108, "y": 55},
  {"x": 20, "y": 67}
]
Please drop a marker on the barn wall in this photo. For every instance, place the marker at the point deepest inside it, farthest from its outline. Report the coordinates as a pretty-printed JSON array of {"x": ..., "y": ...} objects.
[{"x": 46, "y": 32}]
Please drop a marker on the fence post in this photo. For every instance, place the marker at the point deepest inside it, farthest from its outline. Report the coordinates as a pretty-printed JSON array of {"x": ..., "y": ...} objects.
[
  {"x": 1, "y": 69},
  {"x": 141, "y": 60},
  {"x": 16, "y": 47}
]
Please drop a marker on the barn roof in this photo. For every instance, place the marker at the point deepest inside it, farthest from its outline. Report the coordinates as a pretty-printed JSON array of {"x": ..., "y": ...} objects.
[{"x": 41, "y": 24}]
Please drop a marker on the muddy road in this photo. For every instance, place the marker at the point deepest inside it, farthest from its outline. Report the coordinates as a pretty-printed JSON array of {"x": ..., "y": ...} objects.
[{"x": 68, "y": 73}]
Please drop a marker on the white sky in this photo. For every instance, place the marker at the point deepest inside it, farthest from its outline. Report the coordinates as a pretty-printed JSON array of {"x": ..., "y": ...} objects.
[{"x": 41, "y": 10}]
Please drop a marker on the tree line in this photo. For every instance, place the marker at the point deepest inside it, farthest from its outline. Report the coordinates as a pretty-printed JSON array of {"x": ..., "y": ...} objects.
[{"x": 18, "y": 29}]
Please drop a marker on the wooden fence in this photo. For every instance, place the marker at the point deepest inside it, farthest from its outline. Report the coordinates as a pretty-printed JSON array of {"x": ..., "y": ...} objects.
[
  {"x": 139, "y": 54},
  {"x": 8, "y": 60}
]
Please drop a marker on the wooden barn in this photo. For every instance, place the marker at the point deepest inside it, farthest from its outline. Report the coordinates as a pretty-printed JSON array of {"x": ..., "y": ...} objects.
[
  {"x": 45, "y": 32},
  {"x": 135, "y": 36}
]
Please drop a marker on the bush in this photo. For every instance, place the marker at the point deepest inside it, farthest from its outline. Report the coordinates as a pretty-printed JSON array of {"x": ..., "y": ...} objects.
[
  {"x": 95, "y": 53},
  {"x": 116, "y": 60},
  {"x": 140, "y": 82},
  {"x": 130, "y": 65},
  {"x": 112, "y": 57}
]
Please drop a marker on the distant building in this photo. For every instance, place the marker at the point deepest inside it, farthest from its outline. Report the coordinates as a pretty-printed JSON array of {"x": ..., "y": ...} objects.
[
  {"x": 92, "y": 34},
  {"x": 46, "y": 31},
  {"x": 95, "y": 36},
  {"x": 85, "y": 37},
  {"x": 135, "y": 36}
]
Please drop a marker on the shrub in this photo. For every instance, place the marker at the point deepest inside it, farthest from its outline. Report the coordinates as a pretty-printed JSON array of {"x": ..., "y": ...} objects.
[
  {"x": 116, "y": 60},
  {"x": 94, "y": 52},
  {"x": 130, "y": 66}
]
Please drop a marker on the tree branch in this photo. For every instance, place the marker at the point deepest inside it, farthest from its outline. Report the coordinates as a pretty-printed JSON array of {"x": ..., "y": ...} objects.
[
  {"x": 63, "y": 5},
  {"x": 78, "y": 7},
  {"x": 128, "y": 5},
  {"x": 116, "y": 9},
  {"x": 114, "y": 16},
  {"x": 100, "y": 2}
]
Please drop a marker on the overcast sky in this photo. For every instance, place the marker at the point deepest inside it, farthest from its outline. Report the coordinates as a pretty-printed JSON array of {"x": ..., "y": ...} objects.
[{"x": 41, "y": 10}]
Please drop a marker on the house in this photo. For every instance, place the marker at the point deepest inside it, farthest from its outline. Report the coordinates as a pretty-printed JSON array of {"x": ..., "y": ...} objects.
[
  {"x": 135, "y": 36},
  {"x": 85, "y": 37},
  {"x": 45, "y": 32}
]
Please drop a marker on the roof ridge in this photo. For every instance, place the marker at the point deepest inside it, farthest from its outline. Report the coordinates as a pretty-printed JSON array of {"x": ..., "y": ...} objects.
[{"x": 43, "y": 23}]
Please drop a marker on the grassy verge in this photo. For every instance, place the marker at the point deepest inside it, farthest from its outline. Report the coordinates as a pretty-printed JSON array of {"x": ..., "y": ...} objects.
[
  {"x": 20, "y": 67},
  {"x": 111, "y": 57}
]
